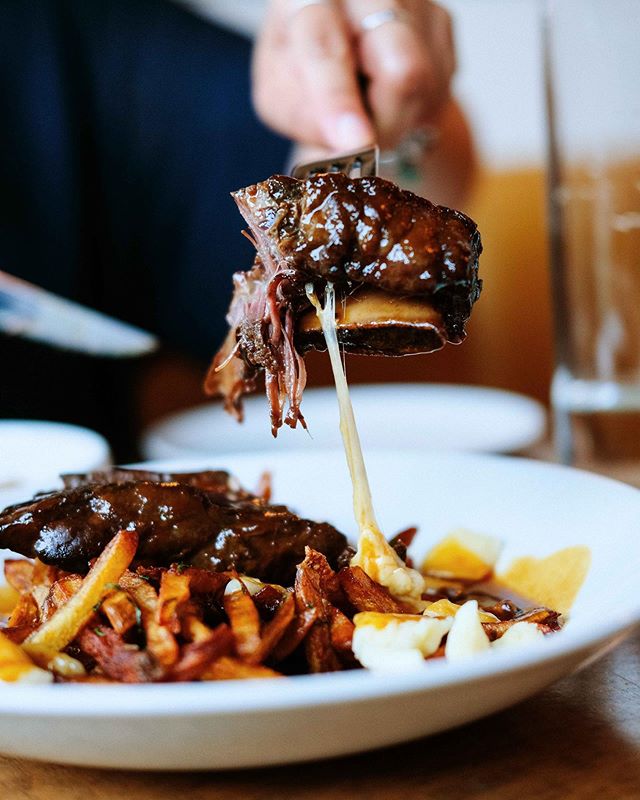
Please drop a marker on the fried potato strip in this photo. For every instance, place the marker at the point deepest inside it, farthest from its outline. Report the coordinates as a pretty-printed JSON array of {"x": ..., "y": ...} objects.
[
  {"x": 161, "y": 643},
  {"x": 310, "y": 594},
  {"x": 365, "y": 594},
  {"x": 56, "y": 633}
]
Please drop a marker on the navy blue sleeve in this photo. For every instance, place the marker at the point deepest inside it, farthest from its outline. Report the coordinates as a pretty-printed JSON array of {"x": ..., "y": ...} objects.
[{"x": 124, "y": 126}]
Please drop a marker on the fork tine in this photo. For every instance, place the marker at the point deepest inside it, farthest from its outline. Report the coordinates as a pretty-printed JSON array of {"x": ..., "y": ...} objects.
[{"x": 358, "y": 164}]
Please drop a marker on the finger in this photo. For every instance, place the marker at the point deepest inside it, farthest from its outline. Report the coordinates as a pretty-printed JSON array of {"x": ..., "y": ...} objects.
[
  {"x": 330, "y": 92},
  {"x": 275, "y": 86},
  {"x": 407, "y": 68}
]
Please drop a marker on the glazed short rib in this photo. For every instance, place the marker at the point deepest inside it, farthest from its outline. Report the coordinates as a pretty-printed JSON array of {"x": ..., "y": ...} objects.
[{"x": 405, "y": 270}]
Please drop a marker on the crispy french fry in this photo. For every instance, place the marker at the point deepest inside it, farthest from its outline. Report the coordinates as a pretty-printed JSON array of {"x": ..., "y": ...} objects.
[
  {"x": 15, "y": 664},
  {"x": 121, "y": 611},
  {"x": 63, "y": 626},
  {"x": 174, "y": 593},
  {"x": 59, "y": 593},
  {"x": 193, "y": 628},
  {"x": 273, "y": 631},
  {"x": 325, "y": 578},
  {"x": 161, "y": 643},
  {"x": 546, "y": 620},
  {"x": 66, "y": 666},
  {"x": 228, "y": 668},
  {"x": 44, "y": 574},
  {"x": 8, "y": 599},
  {"x": 25, "y": 614},
  {"x": 19, "y": 574},
  {"x": 340, "y": 630},
  {"x": 366, "y": 595},
  {"x": 309, "y": 594},
  {"x": 294, "y": 634},
  {"x": 245, "y": 622},
  {"x": 197, "y": 656}
]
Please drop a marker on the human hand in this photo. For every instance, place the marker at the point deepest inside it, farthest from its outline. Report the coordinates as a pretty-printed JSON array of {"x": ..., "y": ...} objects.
[{"x": 341, "y": 74}]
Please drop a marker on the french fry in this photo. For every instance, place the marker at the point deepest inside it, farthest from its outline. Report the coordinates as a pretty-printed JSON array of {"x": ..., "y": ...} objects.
[
  {"x": 59, "y": 593},
  {"x": 121, "y": 611},
  {"x": 340, "y": 630},
  {"x": 546, "y": 620},
  {"x": 19, "y": 574},
  {"x": 319, "y": 651},
  {"x": 66, "y": 666},
  {"x": 25, "y": 618},
  {"x": 326, "y": 579},
  {"x": 228, "y": 668},
  {"x": 174, "y": 593},
  {"x": 197, "y": 656},
  {"x": 161, "y": 643},
  {"x": 294, "y": 634},
  {"x": 15, "y": 664},
  {"x": 44, "y": 574},
  {"x": 366, "y": 595},
  {"x": 193, "y": 628},
  {"x": 56, "y": 633},
  {"x": 244, "y": 620},
  {"x": 8, "y": 599},
  {"x": 273, "y": 631}
]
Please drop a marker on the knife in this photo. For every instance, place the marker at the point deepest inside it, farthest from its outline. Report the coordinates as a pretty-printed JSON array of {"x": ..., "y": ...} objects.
[{"x": 34, "y": 313}]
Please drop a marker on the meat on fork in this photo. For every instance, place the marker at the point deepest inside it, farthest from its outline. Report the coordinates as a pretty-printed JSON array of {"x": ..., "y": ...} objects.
[{"x": 406, "y": 272}]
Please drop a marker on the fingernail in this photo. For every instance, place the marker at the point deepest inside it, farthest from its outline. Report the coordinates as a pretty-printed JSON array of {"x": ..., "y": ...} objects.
[{"x": 348, "y": 131}]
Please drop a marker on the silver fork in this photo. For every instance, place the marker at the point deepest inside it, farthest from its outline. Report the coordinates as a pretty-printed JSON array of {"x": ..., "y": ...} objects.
[{"x": 358, "y": 164}]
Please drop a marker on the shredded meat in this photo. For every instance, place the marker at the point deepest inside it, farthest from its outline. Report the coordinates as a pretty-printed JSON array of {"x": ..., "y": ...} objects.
[{"x": 364, "y": 235}]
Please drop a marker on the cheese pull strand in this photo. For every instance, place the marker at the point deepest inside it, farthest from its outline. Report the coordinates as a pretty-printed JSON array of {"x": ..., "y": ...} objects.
[
  {"x": 362, "y": 503},
  {"x": 374, "y": 555}
]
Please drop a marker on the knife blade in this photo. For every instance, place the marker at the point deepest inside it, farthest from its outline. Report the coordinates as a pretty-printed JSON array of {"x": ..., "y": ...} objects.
[{"x": 34, "y": 313}]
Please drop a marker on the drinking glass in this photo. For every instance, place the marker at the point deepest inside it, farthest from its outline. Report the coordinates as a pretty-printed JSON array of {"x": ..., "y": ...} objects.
[{"x": 592, "y": 84}]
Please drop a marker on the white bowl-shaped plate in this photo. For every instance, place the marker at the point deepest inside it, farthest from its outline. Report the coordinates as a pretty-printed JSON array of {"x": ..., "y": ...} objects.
[
  {"x": 415, "y": 416},
  {"x": 536, "y": 508}
]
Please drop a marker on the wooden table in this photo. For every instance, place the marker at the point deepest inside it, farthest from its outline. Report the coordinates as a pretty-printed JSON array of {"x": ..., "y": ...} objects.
[{"x": 579, "y": 739}]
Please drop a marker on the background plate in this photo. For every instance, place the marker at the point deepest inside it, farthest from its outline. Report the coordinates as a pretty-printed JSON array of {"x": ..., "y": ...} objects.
[{"x": 420, "y": 416}]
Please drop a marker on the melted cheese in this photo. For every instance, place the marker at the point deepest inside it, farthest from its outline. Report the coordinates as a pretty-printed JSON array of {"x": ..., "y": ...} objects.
[
  {"x": 553, "y": 581},
  {"x": 374, "y": 554},
  {"x": 463, "y": 554}
]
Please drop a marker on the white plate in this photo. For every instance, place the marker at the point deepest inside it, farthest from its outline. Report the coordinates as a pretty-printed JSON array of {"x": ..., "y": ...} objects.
[
  {"x": 420, "y": 416},
  {"x": 34, "y": 453},
  {"x": 536, "y": 508}
]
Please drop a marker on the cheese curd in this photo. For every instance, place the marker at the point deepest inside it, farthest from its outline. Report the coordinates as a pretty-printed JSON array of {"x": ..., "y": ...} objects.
[
  {"x": 463, "y": 554},
  {"x": 467, "y": 637},
  {"x": 518, "y": 635},
  {"x": 396, "y": 642}
]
